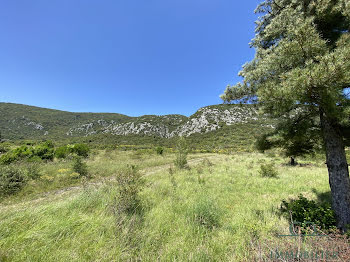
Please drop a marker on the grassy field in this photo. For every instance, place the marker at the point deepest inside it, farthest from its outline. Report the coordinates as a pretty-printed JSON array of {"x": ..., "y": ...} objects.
[{"x": 219, "y": 209}]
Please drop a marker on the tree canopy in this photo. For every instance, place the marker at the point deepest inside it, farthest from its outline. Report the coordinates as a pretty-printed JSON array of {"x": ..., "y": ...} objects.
[
  {"x": 301, "y": 75},
  {"x": 302, "y": 58}
]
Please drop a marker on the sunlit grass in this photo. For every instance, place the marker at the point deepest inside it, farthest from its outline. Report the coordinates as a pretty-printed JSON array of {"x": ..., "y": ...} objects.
[
  {"x": 210, "y": 212},
  {"x": 59, "y": 175}
]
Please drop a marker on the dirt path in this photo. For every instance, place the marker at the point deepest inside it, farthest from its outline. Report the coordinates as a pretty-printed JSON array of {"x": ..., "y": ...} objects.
[
  {"x": 70, "y": 192},
  {"x": 152, "y": 170}
]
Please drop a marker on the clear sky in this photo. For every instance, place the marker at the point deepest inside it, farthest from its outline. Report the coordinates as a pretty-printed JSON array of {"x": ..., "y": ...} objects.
[{"x": 133, "y": 57}]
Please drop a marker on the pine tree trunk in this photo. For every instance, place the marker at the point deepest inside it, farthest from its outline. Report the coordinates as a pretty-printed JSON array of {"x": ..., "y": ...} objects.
[
  {"x": 338, "y": 172},
  {"x": 292, "y": 161}
]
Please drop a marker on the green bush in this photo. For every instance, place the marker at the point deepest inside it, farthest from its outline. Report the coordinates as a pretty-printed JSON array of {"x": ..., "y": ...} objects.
[
  {"x": 62, "y": 152},
  {"x": 130, "y": 184},
  {"x": 80, "y": 167},
  {"x": 3, "y": 149},
  {"x": 262, "y": 143},
  {"x": 12, "y": 180},
  {"x": 45, "y": 151},
  {"x": 23, "y": 152},
  {"x": 79, "y": 149},
  {"x": 32, "y": 170},
  {"x": 29, "y": 142},
  {"x": 8, "y": 158},
  {"x": 268, "y": 170},
  {"x": 159, "y": 150},
  {"x": 34, "y": 159},
  {"x": 303, "y": 210},
  {"x": 181, "y": 153}
]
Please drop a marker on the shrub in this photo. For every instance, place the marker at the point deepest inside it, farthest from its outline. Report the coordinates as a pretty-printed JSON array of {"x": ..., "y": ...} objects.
[
  {"x": 80, "y": 167},
  {"x": 34, "y": 159},
  {"x": 303, "y": 210},
  {"x": 22, "y": 152},
  {"x": 62, "y": 152},
  {"x": 159, "y": 150},
  {"x": 262, "y": 143},
  {"x": 3, "y": 149},
  {"x": 181, "y": 154},
  {"x": 8, "y": 158},
  {"x": 32, "y": 170},
  {"x": 45, "y": 151},
  {"x": 79, "y": 149},
  {"x": 127, "y": 209},
  {"x": 129, "y": 185},
  {"x": 12, "y": 180},
  {"x": 29, "y": 142},
  {"x": 268, "y": 170}
]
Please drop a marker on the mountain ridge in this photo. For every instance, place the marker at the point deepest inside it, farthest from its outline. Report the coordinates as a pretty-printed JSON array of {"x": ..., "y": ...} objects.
[{"x": 18, "y": 122}]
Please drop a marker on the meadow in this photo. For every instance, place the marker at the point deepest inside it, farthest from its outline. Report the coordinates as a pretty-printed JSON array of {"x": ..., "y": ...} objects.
[{"x": 137, "y": 206}]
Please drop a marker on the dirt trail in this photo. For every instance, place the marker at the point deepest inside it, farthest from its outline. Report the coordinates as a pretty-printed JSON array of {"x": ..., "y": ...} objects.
[
  {"x": 70, "y": 192},
  {"x": 153, "y": 170}
]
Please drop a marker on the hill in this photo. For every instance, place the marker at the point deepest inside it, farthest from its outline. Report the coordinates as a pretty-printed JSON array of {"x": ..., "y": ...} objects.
[{"x": 215, "y": 126}]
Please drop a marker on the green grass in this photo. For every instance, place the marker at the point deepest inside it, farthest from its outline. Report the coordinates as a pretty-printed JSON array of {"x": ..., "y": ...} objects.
[
  {"x": 213, "y": 211},
  {"x": 59, "y": 174}
]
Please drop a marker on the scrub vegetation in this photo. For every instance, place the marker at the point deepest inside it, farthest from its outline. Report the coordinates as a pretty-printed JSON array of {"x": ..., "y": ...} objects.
[{"x": 137, "y": 205}]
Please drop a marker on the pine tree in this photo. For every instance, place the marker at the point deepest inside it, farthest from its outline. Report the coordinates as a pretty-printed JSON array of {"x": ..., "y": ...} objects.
[
  {"x": 301, "y": 72},
  {"x": 297, "y": 136}
]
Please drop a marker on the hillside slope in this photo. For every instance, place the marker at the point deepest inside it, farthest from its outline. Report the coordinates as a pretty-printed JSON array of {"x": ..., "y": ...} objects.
[{"x": 19, "y": 122}]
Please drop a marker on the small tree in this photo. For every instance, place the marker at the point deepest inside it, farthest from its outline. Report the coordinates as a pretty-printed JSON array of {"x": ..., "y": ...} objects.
[
  {"x": 159, "y": 150},
  {"x": 80, "y": 167},
  {"x": 181, "y": 154}
]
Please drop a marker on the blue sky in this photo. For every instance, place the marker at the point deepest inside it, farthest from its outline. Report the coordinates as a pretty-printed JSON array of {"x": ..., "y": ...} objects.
[{"x": 133, "y": 57}]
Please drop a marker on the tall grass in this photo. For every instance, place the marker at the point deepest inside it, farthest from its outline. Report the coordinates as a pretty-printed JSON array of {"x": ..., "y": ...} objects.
[
  {"x": 59, "y": 174},
  {"x": 224, "y": 219}
]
